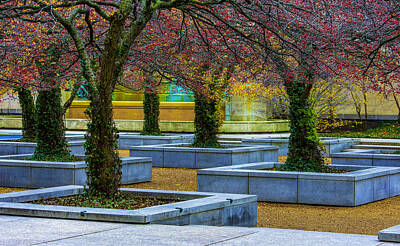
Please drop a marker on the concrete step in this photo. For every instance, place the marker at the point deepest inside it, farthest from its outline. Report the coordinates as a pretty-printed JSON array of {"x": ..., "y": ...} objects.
[
  {"x": 392, "y": 142},
  {"x": 229, "y": 142},
  {"x": 359, "y": 150},
  {"x": 375, "y": 146},
  {"x": 230, "y": 139}
]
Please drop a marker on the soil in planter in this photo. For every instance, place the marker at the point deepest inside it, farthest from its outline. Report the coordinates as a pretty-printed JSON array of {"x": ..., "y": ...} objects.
[
  {"x": 70, "y": 158},
  {"x": 119, "y": 201},
  {"x": 20, "y": 140},
  {"x": 327, "y": 170},
  {"x": 397, "y": 152},
  {"x": 157, "y": 135},
  {"x": 205, "y": 147}
]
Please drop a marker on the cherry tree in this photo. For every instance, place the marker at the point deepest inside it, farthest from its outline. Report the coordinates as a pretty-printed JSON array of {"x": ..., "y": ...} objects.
[
  {"x": 370, "y": 37},
  {"x": 179, "y": 46},
  {"x": 37, "y": 57},
  {"x": 294, "y": 44},
  {"x": 122, "y": 22}
]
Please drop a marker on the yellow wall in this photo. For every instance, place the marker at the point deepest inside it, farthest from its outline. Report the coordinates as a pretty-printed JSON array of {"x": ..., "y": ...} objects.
[
  {"x": 378, "y": 107},
  {"x": 132, "y": 110}
]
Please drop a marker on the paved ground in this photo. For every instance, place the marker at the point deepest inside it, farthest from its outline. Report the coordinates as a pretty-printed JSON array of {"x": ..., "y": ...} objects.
[{"x": 16, "y": 230}]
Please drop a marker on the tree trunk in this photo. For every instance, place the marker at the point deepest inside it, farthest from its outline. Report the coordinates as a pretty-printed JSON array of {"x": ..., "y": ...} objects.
[
  {"x": 151, "y": 108},
  {"x": 50, "y": 129},
  {"x": 28, "y": 114},
  {"x": 356, "y": 105},
  {"x": 365, "y": 106},
  {"x": 206, "y": 122},
  {"x": 104, "y": 164},
  {"x": 304, "y": 146},
  {"x": 51, "y": 142}
]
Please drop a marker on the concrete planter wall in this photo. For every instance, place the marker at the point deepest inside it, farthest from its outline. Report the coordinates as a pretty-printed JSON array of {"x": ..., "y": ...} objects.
[
  {"x": 126, "y": 140},
  {"x": 332, "y": 145},
  {"x": 199, "y": 208},
  {"x": 16, "y": 172},
  {"x": 366, "y": 158},
  {"x": 363, "y": 185},
  {"x": 179, "y": 156},
  {"x": 17, "y": 148},
  {"x": 75, "y": 137}
]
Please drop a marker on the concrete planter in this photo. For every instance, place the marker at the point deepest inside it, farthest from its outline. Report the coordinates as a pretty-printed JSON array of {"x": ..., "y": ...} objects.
[
  {"x": 179, "y": 156},
  {"x": 361, "y": 186},
  {"x": 16, "y": 172},
  {"x": 199, "y": 208},
  {"x": 332, "y": 145},
  {"x": 126, "y": 140},
  {"x": 391, "y": 234},
  {"x": 366, "y": 158},
  {"x": 18, "y": 148}
]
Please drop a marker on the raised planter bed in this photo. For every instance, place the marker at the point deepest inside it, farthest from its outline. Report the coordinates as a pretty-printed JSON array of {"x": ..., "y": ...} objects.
[
  {"x": 183, "y": 156},
  {"x": 200, "y": 208},
  {"x": 364, "y": 157},
  {"x": 332, "y": 145},
  {"x": 16, "y": 172},
  {"x": 126, "y": 140},
  {"x": 17, "y": 148},
  {"x": 359, "y": 186}
]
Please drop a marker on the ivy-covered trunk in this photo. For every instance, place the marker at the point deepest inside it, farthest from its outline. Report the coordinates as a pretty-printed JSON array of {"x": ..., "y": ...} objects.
[
  {"x": 28, "y": 114},
  {"x": 206, "y": 122},
  {"x": 50, "y": 129},
  {"x": 151, "y": 109},
  {"x": 304, "y": 145},
  {"x": 104, "y": 164},
  {"x": 207, "y": 110}
]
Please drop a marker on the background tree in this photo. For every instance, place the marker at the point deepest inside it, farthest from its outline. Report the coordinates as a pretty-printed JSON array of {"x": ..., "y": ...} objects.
[
  {"x": 27, "y": 104},
  {"x": 177, "y": 46},
  {"x": 37, "y": 60},
  {"x": 293, "y": 45},
  {"x": 208, "y": 100},
  {"x": 149, "y": 82},
  {"x": 370, "y": 38},
  {"x": 151, "y": 107}
]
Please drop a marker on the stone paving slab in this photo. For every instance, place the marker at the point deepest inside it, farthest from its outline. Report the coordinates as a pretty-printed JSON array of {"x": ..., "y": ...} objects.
[
  {"x": 282, "y": 237},
  {"x": 17, "y": 230},
  {"x": 31, "y": 231}
]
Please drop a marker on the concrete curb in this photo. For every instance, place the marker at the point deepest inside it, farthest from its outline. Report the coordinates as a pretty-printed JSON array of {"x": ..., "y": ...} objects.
[{"x": 183, "y": 156}]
